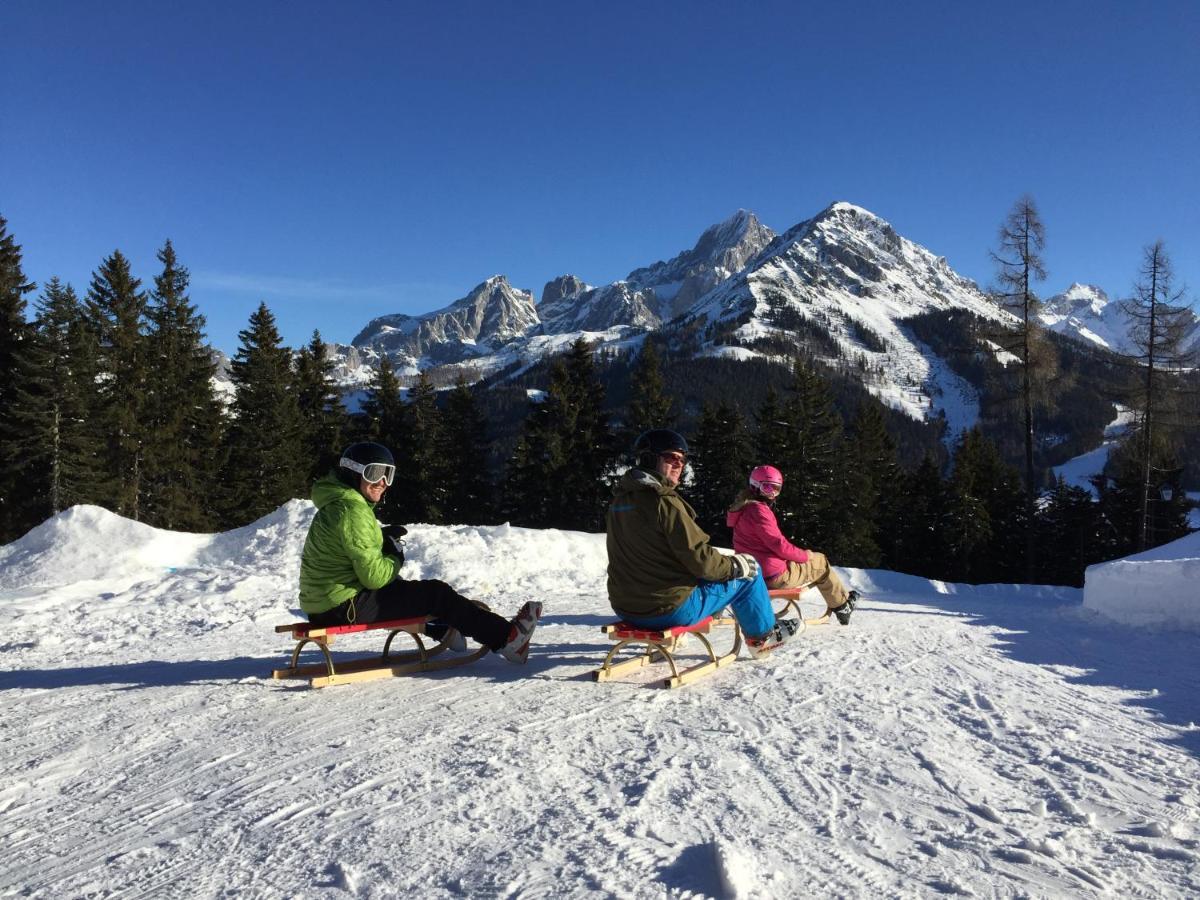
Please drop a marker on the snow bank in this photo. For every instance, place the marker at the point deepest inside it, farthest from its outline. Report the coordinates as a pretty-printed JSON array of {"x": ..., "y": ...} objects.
[{"x": 1157, "y": 587}]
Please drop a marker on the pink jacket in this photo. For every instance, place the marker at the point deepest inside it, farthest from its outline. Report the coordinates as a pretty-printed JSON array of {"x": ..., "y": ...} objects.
[{"x": 755, "y": 531}]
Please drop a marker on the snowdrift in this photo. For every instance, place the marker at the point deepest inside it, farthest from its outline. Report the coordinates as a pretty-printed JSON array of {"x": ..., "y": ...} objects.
[{"x": 1158, "y": 587}]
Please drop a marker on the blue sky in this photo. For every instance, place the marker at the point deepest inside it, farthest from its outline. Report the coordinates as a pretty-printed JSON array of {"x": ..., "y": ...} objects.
[{"x": 342, "y": 161}]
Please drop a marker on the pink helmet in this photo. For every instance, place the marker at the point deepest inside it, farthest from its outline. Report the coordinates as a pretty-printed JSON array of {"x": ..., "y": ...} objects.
[{"x": 767, "y": 480}]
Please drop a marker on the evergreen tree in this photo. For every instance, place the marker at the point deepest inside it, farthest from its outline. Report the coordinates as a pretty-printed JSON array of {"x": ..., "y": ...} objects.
[
  {"x": 386, "y": 422},
  {"x": 557, "y": 474},
  {"x": 1138, "y": 517},
  {"x": 263, "y": 463},
  {"x": 721, "y": 460},
  {"x": 771, "y": 434},
  {"x": 1162, "y": 335},
  {"x": 14, "y": 340},
  {"x": 463, "y": 447},
  {"x": 807, "y": 508},
  {"x": 870, "y": 473},
  {"x": 417, "y": 495},
  {"x": 117, "y": 311},
  {"x": 183, "y": 415},
  {"x": 321, "y": 407},
  {"x": 650, "y": 405},
  {"x": 1069, "y": 534},
  {"x": 58, "y": 447},
  {"x": 920, "y": 542}
]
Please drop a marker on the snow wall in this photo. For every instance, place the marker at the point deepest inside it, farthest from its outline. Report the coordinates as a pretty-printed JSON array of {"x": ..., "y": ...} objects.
[{"x": 1157, "y": 587}]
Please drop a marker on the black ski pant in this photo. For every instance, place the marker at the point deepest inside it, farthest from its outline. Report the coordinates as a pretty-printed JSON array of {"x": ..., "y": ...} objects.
[{"x": 402, "y": 599}]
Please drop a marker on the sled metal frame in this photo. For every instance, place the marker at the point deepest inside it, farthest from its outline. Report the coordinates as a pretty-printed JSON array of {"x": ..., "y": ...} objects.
[
  {"x": 661, "y": 645},
  {"x": 387, "y": 665},
  {"x": 791, "y": 601}
]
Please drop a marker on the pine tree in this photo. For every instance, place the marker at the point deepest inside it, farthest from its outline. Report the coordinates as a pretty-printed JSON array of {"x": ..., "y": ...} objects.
[
  {"x": 467, "y": 497},
  {"x": 650, "y": 405},
  {"x": 870, "y": 473},
  {"x": 14, "y": 341},
  {"x": 263, "y": 464},
  {"x": 807, "y": 508},
  {"x": 416, "y": 496},
  {"x": 771, "y": 433},
  {"x": 1069, "y": 535},
  {"x": 58, "y": 444},
  {"x": 1162, "y": 334},
  {"x": 117, "y": 311},
  {"x": 558, "y": 472},
  {"x": 183, "y": 415},
  {"x": 721, "y": 460},
  {"x": 386, "y": 423},
  {"x": 921, "y": 541},
  {"x": 321, "y": 407}
]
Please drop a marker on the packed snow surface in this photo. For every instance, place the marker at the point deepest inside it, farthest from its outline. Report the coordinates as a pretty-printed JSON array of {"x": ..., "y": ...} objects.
[
  {"x": 998, "y": 741},
  {"x": 1156, "y": 587}
]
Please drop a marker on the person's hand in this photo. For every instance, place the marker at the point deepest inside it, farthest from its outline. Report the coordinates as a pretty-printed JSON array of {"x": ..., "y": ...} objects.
[
  {"x": 744, "y": 565},
  {"x": 393, "y": 543}
]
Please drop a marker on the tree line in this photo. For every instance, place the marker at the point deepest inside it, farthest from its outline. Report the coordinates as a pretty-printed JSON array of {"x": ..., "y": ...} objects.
[{"x": 110, "y": 400}]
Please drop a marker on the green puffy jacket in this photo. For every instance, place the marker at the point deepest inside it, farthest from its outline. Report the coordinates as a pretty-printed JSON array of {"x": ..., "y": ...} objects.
[
  {"x": 343, "y": 553},
  {"x": 657, "y": 554}
]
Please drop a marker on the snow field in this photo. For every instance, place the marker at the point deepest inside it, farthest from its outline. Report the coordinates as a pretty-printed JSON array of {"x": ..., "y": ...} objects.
[{"x": 999, "y": 740}]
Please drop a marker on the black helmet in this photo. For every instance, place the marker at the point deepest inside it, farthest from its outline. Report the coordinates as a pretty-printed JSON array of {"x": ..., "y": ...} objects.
[
  {"x": 366, "y": 460},
  {"x": 650, "y": 444}
]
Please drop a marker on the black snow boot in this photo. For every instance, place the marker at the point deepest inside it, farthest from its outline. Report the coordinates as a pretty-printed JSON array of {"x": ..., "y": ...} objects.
[{"x": 843, "y": 612}]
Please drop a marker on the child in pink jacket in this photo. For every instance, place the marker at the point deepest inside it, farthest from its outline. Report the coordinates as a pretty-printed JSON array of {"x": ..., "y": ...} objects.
[{"x": 756, "y": 531}]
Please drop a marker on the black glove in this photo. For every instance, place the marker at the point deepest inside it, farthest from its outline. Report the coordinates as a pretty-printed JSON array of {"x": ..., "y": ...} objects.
[{"x": 393, "y": 545}]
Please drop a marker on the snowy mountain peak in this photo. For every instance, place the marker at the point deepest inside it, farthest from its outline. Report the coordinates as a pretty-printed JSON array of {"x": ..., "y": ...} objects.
[
  {"x": 492, "y": 313},
  {"x": 843, "y": 283},
  {"x": 1086, "y": 312}
]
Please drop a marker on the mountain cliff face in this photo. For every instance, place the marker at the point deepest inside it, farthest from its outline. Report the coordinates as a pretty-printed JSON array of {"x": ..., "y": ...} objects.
[
  {"x": 649, "y": 296},
  {"x": 1085, "y": 312},
  {"x": 492, "y": 314}
]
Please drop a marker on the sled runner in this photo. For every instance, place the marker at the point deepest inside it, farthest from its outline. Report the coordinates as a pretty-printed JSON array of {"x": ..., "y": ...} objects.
[
  {"x": 385, "y": 666},
  {"x": 791, "y": 602},
  {"x": 661, "y": 645}
]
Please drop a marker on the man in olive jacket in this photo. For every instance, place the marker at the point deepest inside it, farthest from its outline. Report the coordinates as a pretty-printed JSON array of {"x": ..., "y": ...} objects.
[
  {"x": 662, "y": 570},
  {"x": 350, "y": 573}
]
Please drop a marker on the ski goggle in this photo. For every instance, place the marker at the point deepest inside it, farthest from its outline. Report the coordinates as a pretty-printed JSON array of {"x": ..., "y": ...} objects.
[
  {"x": 673, "y": 458},
  {"x": 371, "y": 472},
  {"x": 769, "y": 488}
]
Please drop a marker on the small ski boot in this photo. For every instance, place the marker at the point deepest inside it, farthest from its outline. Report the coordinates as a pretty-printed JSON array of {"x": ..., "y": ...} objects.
[
  {"x": 784, "y": 631},
  {"x": 843, "y": 612}
]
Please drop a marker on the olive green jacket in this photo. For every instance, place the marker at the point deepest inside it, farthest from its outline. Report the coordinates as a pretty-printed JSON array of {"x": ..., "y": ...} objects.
[
  {"x": 657, "y": 554},
  {"x": 343, "y": 553}
]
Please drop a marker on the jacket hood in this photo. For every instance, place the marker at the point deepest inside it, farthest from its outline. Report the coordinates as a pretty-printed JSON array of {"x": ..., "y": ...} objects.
[
  {"x": 735, "y": 512},
  {"x": 328, "y": 489},
  {"x": 640, "y": 480}
]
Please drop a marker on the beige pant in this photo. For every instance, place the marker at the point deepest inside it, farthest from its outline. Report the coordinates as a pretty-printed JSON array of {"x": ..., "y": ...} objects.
[{"x": 817, "y": 572}]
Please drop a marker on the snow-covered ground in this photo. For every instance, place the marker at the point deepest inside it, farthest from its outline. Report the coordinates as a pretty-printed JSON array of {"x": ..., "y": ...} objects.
[
  {"x": 1157, "y": 586},
  {"x": 998, "y": 741}
]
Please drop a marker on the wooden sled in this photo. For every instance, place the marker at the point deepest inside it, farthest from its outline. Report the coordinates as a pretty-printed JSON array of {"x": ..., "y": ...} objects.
[
  {"x": 387, "y": 665},
  {"x": 661, "y": 645},
  {"x": 791, "y": 601}
]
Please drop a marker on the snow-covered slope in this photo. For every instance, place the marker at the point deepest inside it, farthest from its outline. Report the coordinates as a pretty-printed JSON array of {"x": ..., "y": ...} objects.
[{"x": 995, "y": 741}]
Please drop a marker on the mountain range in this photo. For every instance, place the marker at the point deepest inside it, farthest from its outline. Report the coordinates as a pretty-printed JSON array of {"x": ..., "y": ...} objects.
[{"x": 843, "y": 286}]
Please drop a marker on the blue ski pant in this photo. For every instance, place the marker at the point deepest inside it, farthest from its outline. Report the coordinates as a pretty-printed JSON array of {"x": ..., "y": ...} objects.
[{"x": 747, "y": 597}]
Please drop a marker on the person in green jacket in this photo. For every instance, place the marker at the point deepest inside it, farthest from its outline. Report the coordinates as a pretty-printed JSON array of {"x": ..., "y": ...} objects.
[
  {"x": 662, "y": 570},
  {"x": 350, "y": 573}
]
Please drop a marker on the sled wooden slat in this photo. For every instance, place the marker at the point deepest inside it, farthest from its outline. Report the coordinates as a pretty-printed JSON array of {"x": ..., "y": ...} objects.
[
  {"x": 660, "y": 646},
  {"x": 387, "y": 665},
  {"x": 791, "y": 598}
]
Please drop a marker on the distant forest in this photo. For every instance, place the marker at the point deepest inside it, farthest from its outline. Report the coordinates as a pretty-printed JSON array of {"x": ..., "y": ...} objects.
[{"x": 108, "y": 399}]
